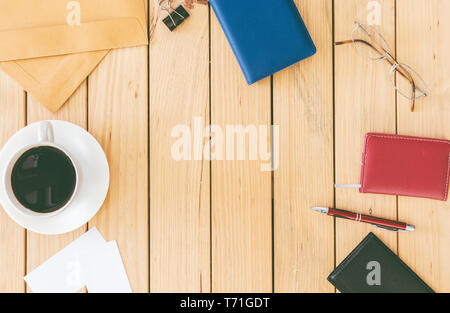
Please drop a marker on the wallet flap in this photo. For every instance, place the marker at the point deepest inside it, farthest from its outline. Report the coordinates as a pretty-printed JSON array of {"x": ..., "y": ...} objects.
[
  {"x": 266, "y": 36},
  {"x": 406, "y": 166},
  {"x": 373, "y": 268},
  {"x": 65, "y": 39}
]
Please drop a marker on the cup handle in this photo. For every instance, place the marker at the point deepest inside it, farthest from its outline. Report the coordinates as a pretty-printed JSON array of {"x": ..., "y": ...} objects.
[{"x": 45, "y": 132}]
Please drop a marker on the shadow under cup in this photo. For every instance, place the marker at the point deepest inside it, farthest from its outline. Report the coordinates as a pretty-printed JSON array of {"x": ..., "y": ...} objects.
[{"x": 43, "y": 179}]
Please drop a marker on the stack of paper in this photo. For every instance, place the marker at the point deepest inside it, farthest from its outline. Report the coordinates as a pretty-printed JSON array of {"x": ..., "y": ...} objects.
[{"x": 89, "y": 262}]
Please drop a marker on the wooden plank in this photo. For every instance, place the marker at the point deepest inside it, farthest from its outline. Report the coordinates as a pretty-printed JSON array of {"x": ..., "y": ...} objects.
[
  {"x": 365, "y": 102},
  {"x": 241, "y": 192},
  {"x": 422, "y": 37},
  {"x": 42, "y": 247},
  {"x": 303, "y": 107},
  {"x": 118, "y": 109},
  {"x": 12, "y": 236},
  {"x": 179, "y": 189}
]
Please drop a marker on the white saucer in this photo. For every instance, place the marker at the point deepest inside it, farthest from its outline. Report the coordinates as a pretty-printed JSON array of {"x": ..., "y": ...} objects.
[{"x": 93, "y": 178}]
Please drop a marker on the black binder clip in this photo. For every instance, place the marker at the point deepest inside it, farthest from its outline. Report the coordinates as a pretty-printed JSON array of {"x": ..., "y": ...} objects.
[{"x": 176, "y": 16}]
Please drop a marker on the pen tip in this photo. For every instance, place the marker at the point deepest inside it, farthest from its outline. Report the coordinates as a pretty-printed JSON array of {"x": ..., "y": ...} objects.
[
  {"x": 320, "y": 210},
  {"x": 410, "y": 227}
]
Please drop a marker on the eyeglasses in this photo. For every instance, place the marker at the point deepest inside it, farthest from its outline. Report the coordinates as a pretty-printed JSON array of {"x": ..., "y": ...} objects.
[{"x": 371, "y": 44}]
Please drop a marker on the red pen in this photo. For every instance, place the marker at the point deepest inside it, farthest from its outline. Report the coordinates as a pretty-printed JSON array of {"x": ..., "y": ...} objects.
[{"x": 378, "y": 222}]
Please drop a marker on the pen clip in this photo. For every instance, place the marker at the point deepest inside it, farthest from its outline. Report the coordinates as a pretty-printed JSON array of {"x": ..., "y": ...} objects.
[{"x": 388, "y": 228}]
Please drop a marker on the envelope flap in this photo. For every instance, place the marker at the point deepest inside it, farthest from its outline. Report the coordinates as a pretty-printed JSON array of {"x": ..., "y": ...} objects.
[
  {"x": 33, "y": 29},
  {"x": 65, "y": 39},
  {"x": 52, "y": 80}
]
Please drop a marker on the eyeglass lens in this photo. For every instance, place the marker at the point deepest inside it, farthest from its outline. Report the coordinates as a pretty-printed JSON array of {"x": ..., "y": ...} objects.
[{"x": 369, "y": 42}]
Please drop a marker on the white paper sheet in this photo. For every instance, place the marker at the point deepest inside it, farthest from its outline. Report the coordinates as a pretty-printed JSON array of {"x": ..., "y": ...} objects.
[
  {"x": 105, "y": 272},
  {"x": 87, "y": 262},
  {"x": 62, "y": 273}
]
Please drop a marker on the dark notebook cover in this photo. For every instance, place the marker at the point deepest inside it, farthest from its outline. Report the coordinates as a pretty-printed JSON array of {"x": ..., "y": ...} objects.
[
  {"x": 265, "y": 35},
  {"x": 371, "y": 260}
]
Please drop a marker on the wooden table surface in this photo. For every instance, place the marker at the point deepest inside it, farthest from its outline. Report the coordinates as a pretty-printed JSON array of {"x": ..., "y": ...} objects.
[{"x": 227, "y": 226}]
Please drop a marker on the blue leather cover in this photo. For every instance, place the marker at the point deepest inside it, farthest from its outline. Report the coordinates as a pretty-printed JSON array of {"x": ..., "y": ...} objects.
[{"x": 266, "y": 35}]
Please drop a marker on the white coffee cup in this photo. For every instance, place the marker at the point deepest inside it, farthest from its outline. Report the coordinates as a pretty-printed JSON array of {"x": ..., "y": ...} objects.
[{"x": 44, "y": 137}]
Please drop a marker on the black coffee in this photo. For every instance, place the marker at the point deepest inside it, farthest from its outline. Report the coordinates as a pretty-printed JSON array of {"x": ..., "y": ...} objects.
[{"x": 43, "y": 179}]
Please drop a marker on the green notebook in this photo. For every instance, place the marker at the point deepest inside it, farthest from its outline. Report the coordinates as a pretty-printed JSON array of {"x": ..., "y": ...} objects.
[{"x": 373, "y": 268}]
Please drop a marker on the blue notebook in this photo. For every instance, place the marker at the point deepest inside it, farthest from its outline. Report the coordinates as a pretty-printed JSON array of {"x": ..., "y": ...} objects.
[{"x": 265, "y": 35}]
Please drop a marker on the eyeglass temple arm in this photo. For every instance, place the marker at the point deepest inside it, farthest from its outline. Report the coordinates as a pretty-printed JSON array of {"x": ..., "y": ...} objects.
[{"x": 391, "y": 60}]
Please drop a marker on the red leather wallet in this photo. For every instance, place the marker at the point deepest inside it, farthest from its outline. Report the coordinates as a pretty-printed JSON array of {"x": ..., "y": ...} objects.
[{"x": 406, "y": 166}]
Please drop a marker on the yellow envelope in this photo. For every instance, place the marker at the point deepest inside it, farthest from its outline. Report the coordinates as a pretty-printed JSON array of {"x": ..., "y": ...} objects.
[{"x": 51, "y": 46}]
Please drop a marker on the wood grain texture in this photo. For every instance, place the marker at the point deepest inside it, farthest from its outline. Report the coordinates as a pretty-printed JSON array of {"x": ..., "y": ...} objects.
[
  {"x": 365, "y": 102},
  {"x": 303, "y": 108},
  {"x": 12, "y": 236},
  {"x": 118, "y": 116},
  {"x": 235, "y": 204},
  {"x": 42, "y": 247},
  {"x": 422, "y": 37},
  {"x": 179, "y": 203},
  {"x": 241, "y": 192}
]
